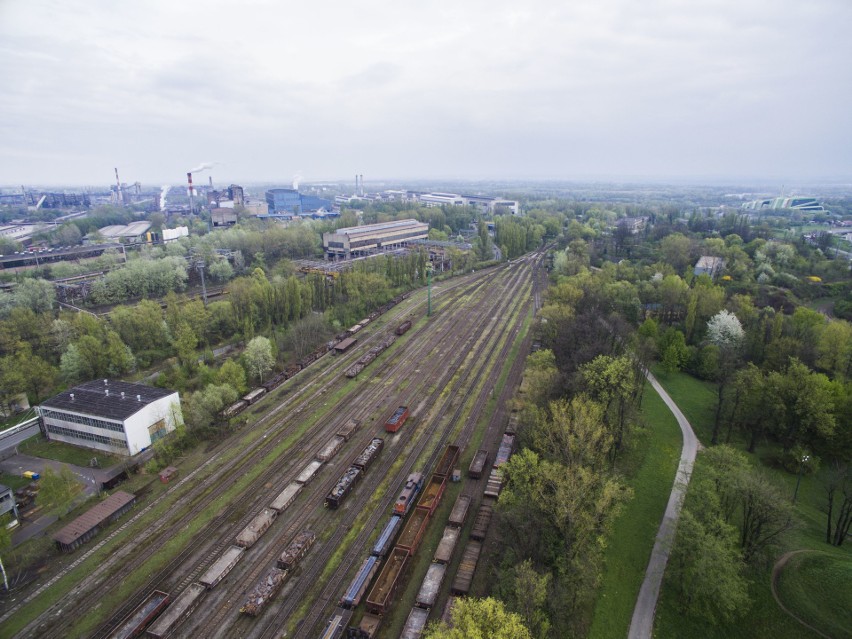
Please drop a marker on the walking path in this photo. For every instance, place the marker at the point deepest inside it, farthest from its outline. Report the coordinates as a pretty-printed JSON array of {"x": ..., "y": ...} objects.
[
  {"x": 773, "y": 584},
  {"x": 642, "y": 623}
]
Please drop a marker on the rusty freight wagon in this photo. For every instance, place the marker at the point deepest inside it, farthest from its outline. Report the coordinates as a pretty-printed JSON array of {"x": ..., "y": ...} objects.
[
  {"x": 330, "y": 449},
  {"x": 355, "y": 592},
  {"x": 459, "y": 511},
  {"x": 447, "y": 461},
  {"x": 403, "y": 328},
  {"x": 353, "y": 370},
  {"x": 495, "y": 484},
  {"x": 444, "y": 552},
  {"x": 344, "y": 345},
  {"x": 342, "y": 487},
  {"x": 309, "y": 472},
  {"x": 264, "y": 592},
  {"x": 134, "y": 623},
  {"x": 368, "y": 628},
  {"x": 254, "y": 395},
  {"x": 464, "y": 576},
  {"x": 415, "y": 624},
  {"x": 259, "y": 525},
  {"x": 235, "y": 409},
  {"x": 432, "y": 493},
  {"x": 409, "y": 492},
  {"x": 221, "y": 567},
  {"x": 413, "y": 531},
  {"x": 396, "y": 420},
  {"x": 178, "y": 612},
  {"x": 428, "y": 593},
  {"x": 477, "y": 464},
  {"x": 286, "y": 497},
  {"x": 348, "y": 428},
  {"x": 382, "y": 594},
  {"x": 481, "y": 523},
  {"x": 370, "y": 453},
  {"x": 296, "y": 549}
]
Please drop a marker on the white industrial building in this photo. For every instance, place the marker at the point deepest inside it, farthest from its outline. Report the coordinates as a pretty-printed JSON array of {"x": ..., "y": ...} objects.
[
  {"x": 113, "y": 416},
  {"x": 369, "y": 238}
]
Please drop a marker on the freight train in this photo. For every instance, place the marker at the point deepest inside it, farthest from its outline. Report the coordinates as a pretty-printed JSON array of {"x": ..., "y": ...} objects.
[{"x": 236, "y": 408}]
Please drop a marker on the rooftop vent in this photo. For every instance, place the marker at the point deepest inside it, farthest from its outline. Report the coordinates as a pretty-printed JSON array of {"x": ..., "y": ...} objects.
[
  {"x": 139, "y": 398},
  {"x": 107, "y": 392},
  {"x": 122, "y": 394},
  {"x": 72, "y": 396}
]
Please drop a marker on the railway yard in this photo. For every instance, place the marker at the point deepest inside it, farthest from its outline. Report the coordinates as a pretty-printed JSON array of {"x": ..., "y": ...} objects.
[{"x": 265, "y": 537}]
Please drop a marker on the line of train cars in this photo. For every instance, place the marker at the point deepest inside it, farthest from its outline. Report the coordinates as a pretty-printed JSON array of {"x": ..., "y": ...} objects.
[
  {"x": 399, "y": 556},
  {"x": 255, "y": 394},
  {"x": 376, "y": 350},
  {"x": 178, "y": 610},
  {"x": 392, "y": 551}
]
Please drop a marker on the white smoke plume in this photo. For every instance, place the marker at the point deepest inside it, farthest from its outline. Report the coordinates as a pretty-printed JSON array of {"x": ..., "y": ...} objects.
[
  {"x": 163, "y": 193},
  {"x": 204, "y": 166},
  {"x": 297, "y": 179}
]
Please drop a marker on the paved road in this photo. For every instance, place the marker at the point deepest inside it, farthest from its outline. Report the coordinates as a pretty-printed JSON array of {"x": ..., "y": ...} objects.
[
  {"x": 642, "y": 623},
  {"x": 17, "y": 464}
]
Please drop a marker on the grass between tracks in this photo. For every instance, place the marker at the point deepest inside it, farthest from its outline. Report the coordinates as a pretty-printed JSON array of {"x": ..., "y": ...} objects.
[
  {"x": 169, "y": 550},
  {"x": 650, "y": 466},
  {"x": 395, "y": 619}
]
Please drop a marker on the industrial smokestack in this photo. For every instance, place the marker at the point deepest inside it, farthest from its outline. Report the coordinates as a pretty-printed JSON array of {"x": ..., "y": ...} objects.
[
  {"x": 189, "y": 180},
  {"x": 211, "y": 182},
  {"x": 362, "y": 184},
  {"x": 117, "y": 187},
  {"x": 356, "y": 184}
]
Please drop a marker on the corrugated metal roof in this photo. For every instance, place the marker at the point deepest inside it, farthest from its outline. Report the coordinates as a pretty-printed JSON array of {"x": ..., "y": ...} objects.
[
  {"x": 93, "y": 517},
  {"x": 93, "y": 399}
]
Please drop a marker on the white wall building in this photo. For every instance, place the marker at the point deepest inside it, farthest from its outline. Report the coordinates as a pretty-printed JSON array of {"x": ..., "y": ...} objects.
[
  {"x": 368, "y": 238},
  {"x": 113, "y": 416}
]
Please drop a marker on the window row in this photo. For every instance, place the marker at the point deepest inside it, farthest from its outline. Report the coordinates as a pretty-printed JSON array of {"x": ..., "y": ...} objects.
[
  {"x": 80, "y": 419},
  {"x": 67, "y": 432}
]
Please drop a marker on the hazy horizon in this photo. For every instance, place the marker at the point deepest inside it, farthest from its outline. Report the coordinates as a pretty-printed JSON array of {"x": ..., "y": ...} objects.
[{"x": 711, "y": 91}]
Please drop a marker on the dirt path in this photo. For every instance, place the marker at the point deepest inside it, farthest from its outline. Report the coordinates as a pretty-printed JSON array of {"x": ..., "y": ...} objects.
[{"x": 773, "y": 584}]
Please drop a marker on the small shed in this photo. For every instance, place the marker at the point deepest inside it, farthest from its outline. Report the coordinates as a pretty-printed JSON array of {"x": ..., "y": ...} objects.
[{"x": 168, "y": 473}]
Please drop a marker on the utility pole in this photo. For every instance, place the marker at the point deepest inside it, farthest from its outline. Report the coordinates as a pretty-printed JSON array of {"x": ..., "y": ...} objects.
[{"x": 429, "y": 284}]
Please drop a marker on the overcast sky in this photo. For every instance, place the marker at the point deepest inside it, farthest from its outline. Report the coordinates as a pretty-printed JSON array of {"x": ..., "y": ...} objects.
[{"x": 419, "y": 88}]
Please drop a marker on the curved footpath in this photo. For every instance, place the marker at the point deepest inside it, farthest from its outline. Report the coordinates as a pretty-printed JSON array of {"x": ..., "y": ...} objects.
[
  {"x": 642, "y": 623},
  {"x": 773, "y": 584}
]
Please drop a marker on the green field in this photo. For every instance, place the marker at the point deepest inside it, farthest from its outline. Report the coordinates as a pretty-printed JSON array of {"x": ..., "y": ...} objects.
[
  {"x": 652, "y": 464},
  {"x": 59, "y": 451},
  {"x": 764, "y": 618},
  {"x": 818, "y": 589}
]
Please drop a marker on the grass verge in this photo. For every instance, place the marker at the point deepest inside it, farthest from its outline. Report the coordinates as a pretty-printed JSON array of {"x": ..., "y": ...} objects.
[{"x": 654, "y": 456}]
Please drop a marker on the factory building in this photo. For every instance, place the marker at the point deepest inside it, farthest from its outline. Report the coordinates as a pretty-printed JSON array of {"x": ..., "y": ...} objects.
[
  {"x": 291, "y": 202},
  {"x": 355, "y": 240},
  {"x": 113, "y": 416}
]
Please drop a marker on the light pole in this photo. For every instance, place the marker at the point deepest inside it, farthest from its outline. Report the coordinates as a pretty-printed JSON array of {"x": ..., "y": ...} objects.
[{"x": 804, "y": 460}]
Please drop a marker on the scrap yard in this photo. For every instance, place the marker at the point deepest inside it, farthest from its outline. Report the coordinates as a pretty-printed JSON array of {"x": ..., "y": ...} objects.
[{"x": 266, "y": 543}]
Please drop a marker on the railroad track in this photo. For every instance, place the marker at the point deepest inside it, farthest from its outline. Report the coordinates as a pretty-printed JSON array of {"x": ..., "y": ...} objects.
[
  {"x": 333, "y": 589},
  {"x": 191, "y": 504},
  {"x": 216, "y": 623},
  {"x": 198, "y": 502}
]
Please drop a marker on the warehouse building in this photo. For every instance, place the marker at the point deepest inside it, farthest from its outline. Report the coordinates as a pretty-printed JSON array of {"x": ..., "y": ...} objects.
[
  {"x": 369, "y": 238},
  {"x": 113, "y": 416},
  {"x": 90, "y": 522}
]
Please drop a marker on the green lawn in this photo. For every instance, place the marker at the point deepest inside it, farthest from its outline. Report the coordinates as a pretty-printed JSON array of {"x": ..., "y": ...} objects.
[
  {"x": 59, "y": 451},
  {"x": 764, "y": 618},
  {"x": 653, "y": 463},
  {"x": 13, "y": 481},
  {"x": 818, "y": 589}
]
